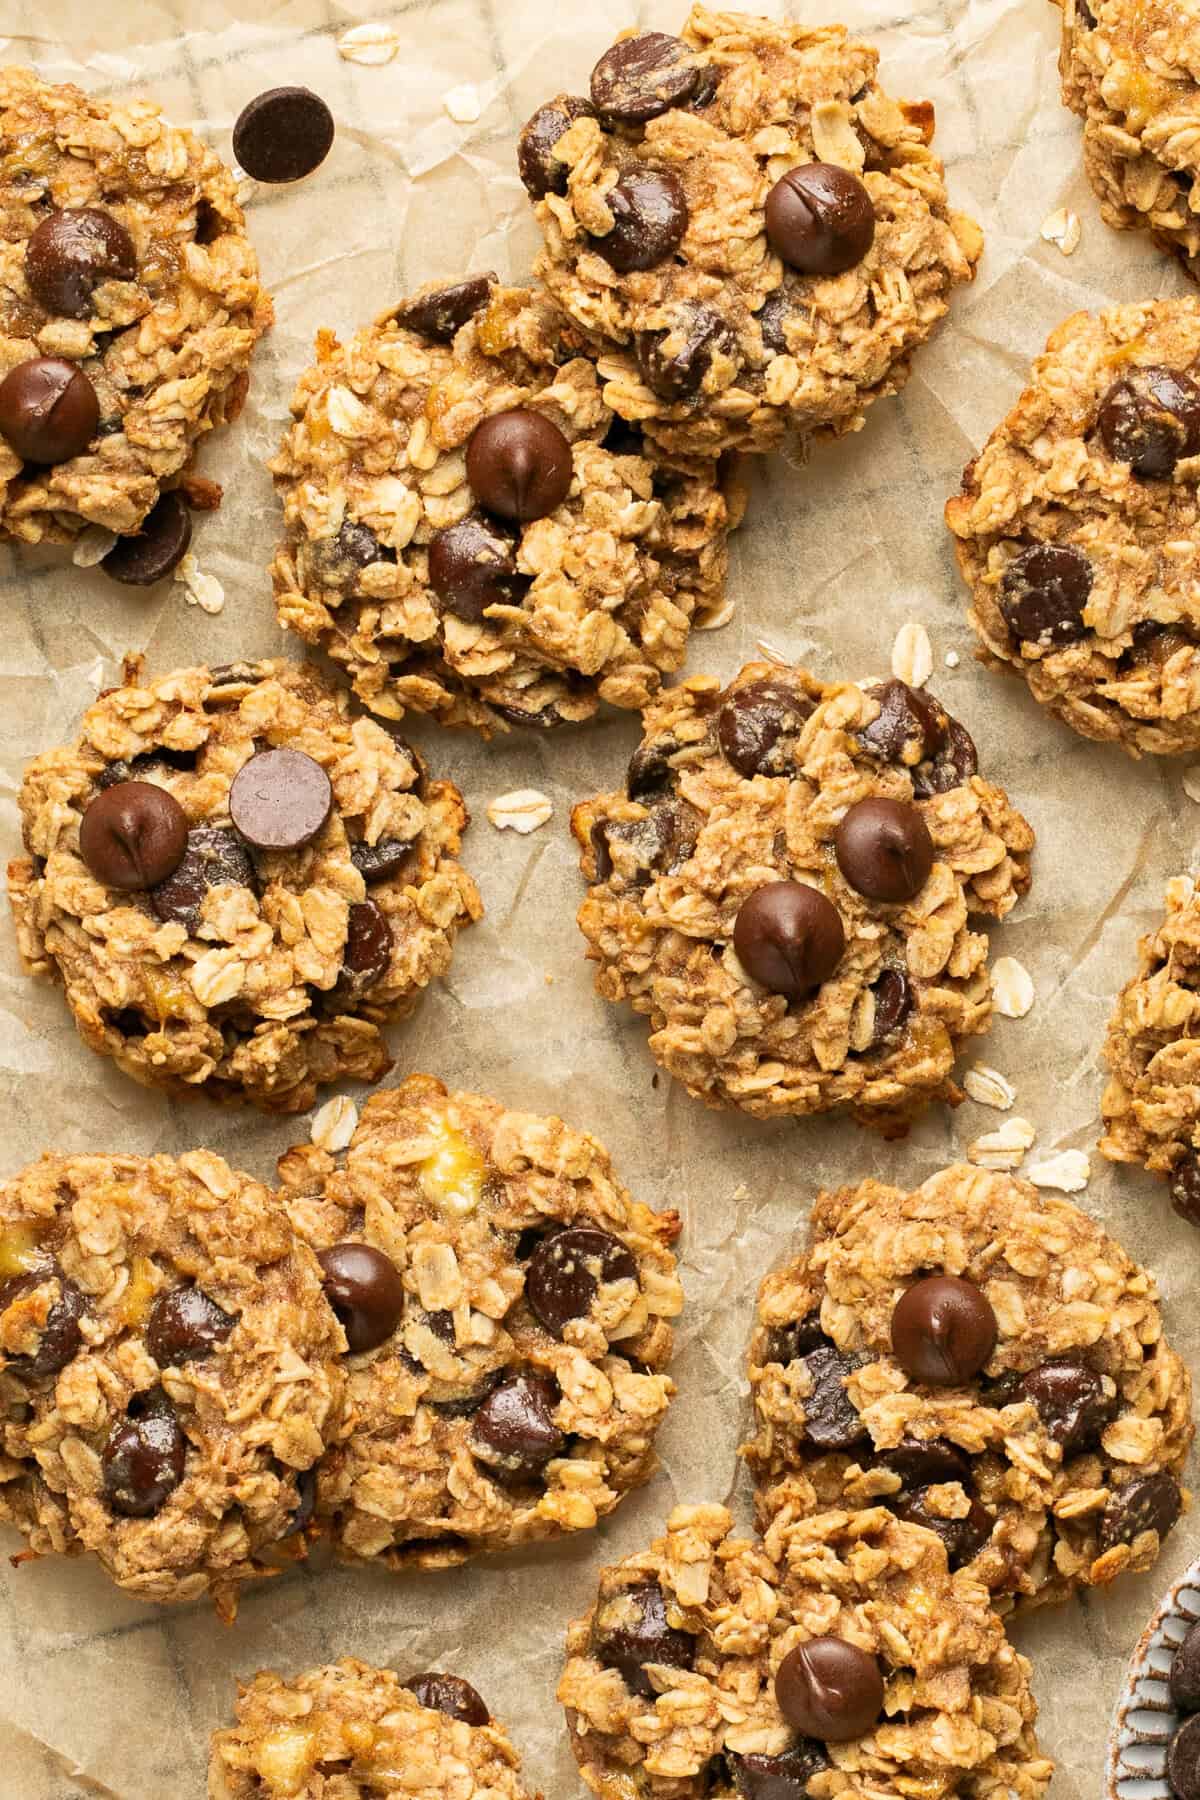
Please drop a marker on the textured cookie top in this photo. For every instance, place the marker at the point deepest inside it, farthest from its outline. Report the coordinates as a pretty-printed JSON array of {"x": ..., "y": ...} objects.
[
  {"x": 1078, "y": 523},
  {"x": 1046, "y": 1455},
  {"x": 730, "y": 312},
  {"x": 508, "y": 1386},
  {"x": 168, "y": 1368},
  {"x": 682, "y": 1680},
  {"x": 353, "y": 1732},
  {"x": 820, "y": 995},
  {"x": 465, "y": 536},
  {"x": 124, "y": 256}
]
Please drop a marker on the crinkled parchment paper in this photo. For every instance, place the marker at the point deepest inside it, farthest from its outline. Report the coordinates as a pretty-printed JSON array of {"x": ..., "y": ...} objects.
[{"x": 103, "y": 1695}]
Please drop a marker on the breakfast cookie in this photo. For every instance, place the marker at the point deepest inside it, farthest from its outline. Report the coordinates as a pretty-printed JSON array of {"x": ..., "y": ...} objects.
[
  {"x": 754, "y": 235},
  {"x": 468, "y": 533},
  {"x": 169, "y": 1369},
  {"x": 506, "y": 1304},
  {"x": 784, "y": 887},
  {"x": 838, "y": 1657},
  {"x": 238, "y": 882},
  {"x": 129, "y": 307},
  {"x": 981, "y": 1357},
  {"x": 1078, "y": 524},
  {"x": 1131, "y": 70},
  {"x": 352, "y": 1732}
]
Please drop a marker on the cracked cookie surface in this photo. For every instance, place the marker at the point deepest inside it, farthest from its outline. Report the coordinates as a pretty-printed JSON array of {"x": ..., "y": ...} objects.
[
  {"x": 510, "y": 1386},
  {"x": 124, "y": 260},
  {"x": 655, "y": 200},
  {"x": 169, "y": 1369},
  {"x": 400, "y": 564},
  {"x": 308, "y": 892},
  {"x": 1051, "y": 1466},
  {"x": 737, "y": 810}
]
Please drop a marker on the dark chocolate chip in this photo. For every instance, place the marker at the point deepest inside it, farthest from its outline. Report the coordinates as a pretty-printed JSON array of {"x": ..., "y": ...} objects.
[
  {"x": 1149, "y": 1503},
  {"x": 283, "y": 135},
  {"x": 472, "y": 567},
  {"x": 306, "y": 1503},
  {"x": 60, "y": 1336},
  {"x": 650, "y": 774},
  {"x": 644, "y": 76},
  {"x": 519, "y": 465},
  {"x": 1150, "y": 419},
  {"x": 280, "y": 799},
  {"x": 831, "y": 1420},
  {"x": 215, "y": 857},
  {"x": 776, "y": 310},
  {"x": 158, "y": 548},
  {"x": 365, "y": 1290},
  {"x": 541, "y": 171},
  {"x": 800, "y": 1338},
  {"x": 893, "y": 1002},
  {"x": 830, "y": 1690},
  {"x": 758, "y": 725},
  {"x": 962, "y": 1538},
  {"x": 943, "y": 1330},
  {"x": 819, "y": 219},
  {"x": 788, "y": 937},
  {"x": 1185, "y": 1186},
  {"x": 782, "y": 1777},
  {"x": 48, "y": 410},
  {"x": 133, "y": 836},
  {"x": 1185, "y": 1672},
  {"x": 884, "y": 849},
  {"x": 931, "y": 1464},
  {"x": 184, "y": 1322},
  {"x": 709, "y": 77},
  {"x": 375, "y": 862},
  {"x": 513, "y": 1433},
  {"x": 369, "y": 944},
  {"x": 910, "y": 727},
  {"x": 650, "y": 215},
  {"x": 953, "y": 762},
  {"x": 71, "y": 253},
  {"x": 1183, "y": 1761},
  {"x": 440, "y": 313},
  {"x": 674, "y": 362},
  {"x": 1071, "y": 1402},
  {"x": 337, "y": 562},
  {"x": 656, "y": 845},
  {"x": 1043, "y": 594},
  {"x": 142, "y": 1462},
  {"x": 566, "y": 1271},
  {"x": 631, "y": 1631},
  {"x": 451, "y": 1695}
]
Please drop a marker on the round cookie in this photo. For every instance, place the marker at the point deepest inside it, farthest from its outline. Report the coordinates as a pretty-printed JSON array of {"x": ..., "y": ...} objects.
[
  {"x": 754, "y": 234},
  {"x": 468, "y": 536},
  {"x": 784, "y": 888},
  {"x": 508, "y": 1326},
  {"x": 131, "y": 307},
  {"x": 355, "y": 1732},
  {"x": 837, "y": 1657},
  {"x": 238, "y": 882},
  {"x": 169, "y": 1370},
  {"x": 983, "y": 1358},
  {"x": 1076, "y": 524}
]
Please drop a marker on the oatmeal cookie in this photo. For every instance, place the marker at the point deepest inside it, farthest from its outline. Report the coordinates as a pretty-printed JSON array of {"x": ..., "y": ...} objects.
[
  {"x": 169, "y": 1369},
  {"x": 982, "y": 1358},
  {"x": 353, "y": 1732},
  {"x": 784, "y": 888},
  {"x": 129, "y": 307},
  {"x": 1078, "y": 524},
  {"x": 238, "y": 882},
  {"x": 837, "y": 1657},
  {"x": 506, "y": 1303},
  {"x": 755, "y": 236},
  {"x": 468, "y": 535}
]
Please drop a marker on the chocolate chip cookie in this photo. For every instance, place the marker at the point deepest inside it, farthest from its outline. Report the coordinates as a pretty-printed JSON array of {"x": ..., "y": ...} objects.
[
  {"x": 131, "y": 306},
  {"x": 469, "y": 532},
  {"x": 784, "y": 888},
  {"x": 980, "y": 1357},
  {"x": 1077, "y": 528},
  {"x": 753, "y": 233},
  {"x": 238, "y": 882},
  {"x": 169, "y": 1369},
  {"x": 506, "y": 1304},
  {"x": 838, "y": 1656},
  {"x": 349, "y": 1730}
]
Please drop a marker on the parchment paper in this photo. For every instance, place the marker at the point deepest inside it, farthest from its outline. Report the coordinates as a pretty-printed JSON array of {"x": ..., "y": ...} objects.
[{"x": 103, "y": 1695}]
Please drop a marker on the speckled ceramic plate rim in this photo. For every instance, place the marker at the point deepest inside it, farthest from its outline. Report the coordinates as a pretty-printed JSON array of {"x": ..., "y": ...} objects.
[{"x": 1145, "y": 1718}]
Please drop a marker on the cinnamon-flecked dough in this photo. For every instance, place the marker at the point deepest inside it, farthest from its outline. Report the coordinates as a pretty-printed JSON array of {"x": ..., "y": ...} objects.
[
  {"x": 508, "y": 1336},
  {"x": 734, "y": 815},
  {"x": 155, "y": 312},
  {"x": 398, "y": 563},
  {"x": 247, "y": 972},
  {"x": 170, "y": 1370},
  {"x": 1055, "y": 1464},
  {"x": 715, "y": 329}
]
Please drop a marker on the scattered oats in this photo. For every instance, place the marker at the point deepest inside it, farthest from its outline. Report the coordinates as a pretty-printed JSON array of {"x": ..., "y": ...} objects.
[
  {"x": 771, "y": 653},
  {"x": 712, "y": 617},
  {"x": 204, "y": 591},
  {"x": 1064, "y": 229},
  {"x": 989, "y": 1087},
  {"x": 92, "y": 546},
  {"x": 463, "y": 104},
  {"x": 1012, "y": 988},
  {"x": 246, "y": 190},
  {"x": 1181, "y": 891},
  {"x": 1069, "y": 1171},
  {"x": 1191, "y": 782},
  {"x": 952, "y": 659},
  {"x": 524, "y": 810},
  {"x": 333, "y": 1125},
  {"x": 371, "y": 44},
  {"x": 912, "y": 655},
  {"x": 1004, "y": 1147}
]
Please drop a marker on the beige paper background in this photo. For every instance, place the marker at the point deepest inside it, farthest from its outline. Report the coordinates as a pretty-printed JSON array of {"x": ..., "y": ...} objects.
[{"x": 101, "y": 1695}]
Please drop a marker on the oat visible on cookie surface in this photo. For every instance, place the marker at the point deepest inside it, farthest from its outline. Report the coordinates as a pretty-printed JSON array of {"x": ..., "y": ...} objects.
[
  {"x": 784, "y": 888},
  {"x": 755, "y": 235},
  {"x": 1078, "y": 524},
  {"x": 128, "y": 287},
  {"x": 984, "y": 1359},
  {"x": 467, "y": 536},
  {"x": 238, "y": 881},
  {"x": 169, "y": 1369},
  {"x": 507, "y": 1304},
  {"x": 353, "y": 1732},
  {"x": 698, "y": 1672}
]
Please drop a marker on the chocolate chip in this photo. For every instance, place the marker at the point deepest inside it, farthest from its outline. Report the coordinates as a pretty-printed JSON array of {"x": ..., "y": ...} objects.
[
  {"x": 566, "y": 1270},
  {"x": 893, "y": 1003},
  {"x": 283, "y": 135},
  {"x": 365, "y": 1290},
  {"x": 513, "y": 1433},
  {"x": 1183, "y": 1761},
  {"x": 48, "y": 409},
  {"x": 133, "y": 836},
  {"x": 782, "y": 1777},
  {"x": 1185, "y": 1672},
  {"x": 656, "y": 845},
  {"x": 440, "y": 313},
  {"x": 1150, "y": 419},
  {"x": 280, "y": 799},
  {"x": 71, "y": 253},
  {"x": 519, "y": 464},
  {"x": 369, "y": 944},
  {"x": 642, "y": 77},
  {"x": 623, "y": 439},
  {"x": 709, "y": 77},
  {"x": 541, "y": 171},
  {"x": 829, "y": 1689},
  {"x": 337, "y": 562},
  {"x": 819, "y": 219},
  {"x": 675, "y": 362},
  {"x": 214, "y": 857},
  {"x": 472, "y": 567},
  {"x": 631, "y": 1631},
  {"x": 160, "y": 545},
  {"x": 375, "y": 862},
  {"x": 650, "y": 215},
  {"x": 59, "y": 1336},
  {"x": 800, "y": 1338},
  {"x": 943, "y": 1331},
  {"x": 650, "y": 774},
  {"x": 1185, "y": 1186},
  {"x": 143, "y": 1460},
  {"x": 772, "y": 317},
  {"x": 788, "y": 938},
  {"x": 451, "y": 1695},
  {"x": 758, "y": 725},
  {"x": 931, "y": 1464},
  {"x": 953, "y": 762},
  {"x": 1071, "y": 1402},
  {"x": 184, "y": 1322},
  {"x": 962, "y": 1538},
  {"x": 306, "y": 1504},
  {"x": 910, "y": 727},
  {"x": 831, "y": 1420},
  {"x": 1044, "y": 592},
  {"x": 884, "y": 849},
  {"x": 1149, "y": 1503}
]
